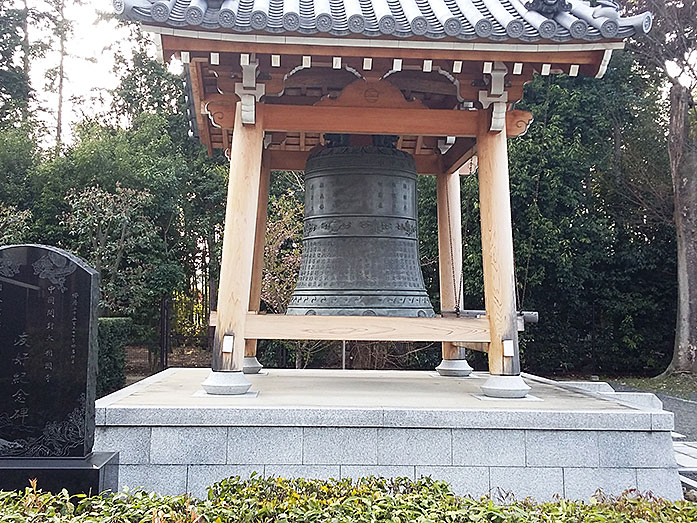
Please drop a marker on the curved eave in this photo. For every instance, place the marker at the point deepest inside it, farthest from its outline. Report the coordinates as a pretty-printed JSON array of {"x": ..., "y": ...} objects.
[
  {"x": 388, "y": 43},
  {"x": 507, "y": 21}
]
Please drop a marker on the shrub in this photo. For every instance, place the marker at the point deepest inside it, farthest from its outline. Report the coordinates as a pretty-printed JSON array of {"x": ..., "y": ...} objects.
[
  {"x": 365, "y": 500},
  {"x": 113, "y": 337}
]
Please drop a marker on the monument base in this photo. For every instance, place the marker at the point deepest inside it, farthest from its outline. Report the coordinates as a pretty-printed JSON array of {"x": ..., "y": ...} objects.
[
  {"x": 91, "y": 475},
  {"x": 559, "y": 440}
]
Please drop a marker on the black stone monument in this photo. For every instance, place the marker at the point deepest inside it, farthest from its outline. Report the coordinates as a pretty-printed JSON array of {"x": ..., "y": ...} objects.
[{"x": 48, "y": 372}]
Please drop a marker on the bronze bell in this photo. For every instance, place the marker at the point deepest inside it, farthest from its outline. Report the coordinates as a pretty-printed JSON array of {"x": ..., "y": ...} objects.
[{"x": 360, "y": 247}]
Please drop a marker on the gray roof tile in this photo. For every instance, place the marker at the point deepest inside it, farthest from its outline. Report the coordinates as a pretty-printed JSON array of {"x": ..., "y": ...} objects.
[{"x": 496, "y": 20}]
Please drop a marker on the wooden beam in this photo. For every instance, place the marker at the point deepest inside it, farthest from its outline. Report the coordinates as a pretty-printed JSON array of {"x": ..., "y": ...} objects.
[
  {"x": 238, "y": 242},
  {"x": 365, "y": 328},
  {"x": 497, "y": 249},
  {"x": 250, "y": 346},
  {"x": 459, "y": 153},
  {"x": 366, "y": 120},
  {"x": 199, "y": 93},
  {"x": 295, "y": 161},
  {"x": 419, "y": 122},
  {"x": 172, "y": 44}
]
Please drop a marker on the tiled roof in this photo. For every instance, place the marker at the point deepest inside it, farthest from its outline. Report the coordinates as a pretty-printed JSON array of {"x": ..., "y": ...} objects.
[{"x": 498, "y": 20}]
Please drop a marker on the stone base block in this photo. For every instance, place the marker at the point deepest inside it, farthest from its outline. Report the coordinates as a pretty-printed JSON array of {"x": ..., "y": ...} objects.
[
  {"x": 94, "y": 474},
  {"x": 393, "y": 424}
]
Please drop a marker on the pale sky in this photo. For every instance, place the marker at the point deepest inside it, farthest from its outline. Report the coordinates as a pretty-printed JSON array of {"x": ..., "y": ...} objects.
[{"x": 89, "y": 67}]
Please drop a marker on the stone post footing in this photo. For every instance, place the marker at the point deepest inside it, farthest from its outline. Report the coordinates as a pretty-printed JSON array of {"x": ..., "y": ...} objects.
[
  {"x": 251, "y": 365},
  {"x": 226, "y": 383},
  {"x": 454, "y": 368},
  {"x": 505, "y": 387}
]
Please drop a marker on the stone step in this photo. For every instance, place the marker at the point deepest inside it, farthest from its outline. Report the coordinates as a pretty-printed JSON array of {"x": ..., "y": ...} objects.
[
  {"x": 688, "y": 480},
  {"x": 686, "y": 457}
]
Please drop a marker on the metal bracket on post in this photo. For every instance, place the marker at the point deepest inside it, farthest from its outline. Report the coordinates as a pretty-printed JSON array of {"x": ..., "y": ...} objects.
[
  {"x": 268, "y": 139},
  {"x": 228, "y": 343},
  {"x": 249, "y": 92},
  {"x": 497, "y": 96}
]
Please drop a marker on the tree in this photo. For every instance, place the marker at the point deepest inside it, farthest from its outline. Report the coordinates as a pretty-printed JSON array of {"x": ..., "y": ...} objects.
[
  {"x": 671, "y": 48},
  {"x": 14, "y": 82},
  {"x": 593, "y": 240},
  {"x": 282, "y": 249},
  {"x": 108, "y": 228},
  {"x": 56, "y": 77},
  {"x": 282, "y": 255},
  {"x": 14, "y": 224},
  {"x": 591, "y": 256}
]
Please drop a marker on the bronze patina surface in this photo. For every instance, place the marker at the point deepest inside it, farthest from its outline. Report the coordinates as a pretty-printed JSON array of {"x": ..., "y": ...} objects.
[{"x": 360, "y": 245}]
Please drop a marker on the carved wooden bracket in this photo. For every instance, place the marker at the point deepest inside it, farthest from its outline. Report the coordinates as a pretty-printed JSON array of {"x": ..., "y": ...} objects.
[
  {"x": 496, "y": 96},
  {"x": 221, "y": 110},
  {"x": 249, "y": 92},
  {"x": 371, "y": 92},
  {"x": 518, "y": 122}
]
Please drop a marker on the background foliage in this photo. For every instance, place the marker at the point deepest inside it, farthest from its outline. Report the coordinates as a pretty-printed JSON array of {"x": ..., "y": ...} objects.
[{"x": 113, "y": 336}]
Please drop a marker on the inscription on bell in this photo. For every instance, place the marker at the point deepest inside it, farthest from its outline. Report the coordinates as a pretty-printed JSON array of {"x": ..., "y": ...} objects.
[{"x": 360, "y": 245}]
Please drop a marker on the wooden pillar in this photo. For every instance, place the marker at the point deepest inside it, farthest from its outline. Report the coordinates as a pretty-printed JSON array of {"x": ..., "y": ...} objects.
[
  {"x": 449, "y": 249},
  {"x": 238, "y": 241},
  {"x": 250, "y": 346},
  {"x": 497, "y": 248}
]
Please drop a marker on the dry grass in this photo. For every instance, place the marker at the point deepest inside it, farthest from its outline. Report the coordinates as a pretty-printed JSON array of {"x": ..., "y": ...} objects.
[{"x": 680, "y": 385}]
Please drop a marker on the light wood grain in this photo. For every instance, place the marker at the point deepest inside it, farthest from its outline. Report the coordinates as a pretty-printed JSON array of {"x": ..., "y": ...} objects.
[
  {"x": 198, "y": 92},
  {"x": 250, "y": 346},
  {"x": 459, "y": 153},
  {"x": 365, "y": 328},
  {"x": 362, "y": 119},
  {"x": 449, "y": 249},
  {"x": 238, "y": 241},
  {"x": 479, "y": 347},
  {"x": 497, "y": 246},
  {"x": 371, "y": 92}
]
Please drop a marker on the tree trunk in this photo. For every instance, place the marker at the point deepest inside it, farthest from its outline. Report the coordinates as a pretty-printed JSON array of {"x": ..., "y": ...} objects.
[
  {"x": 26, "y": 50},
  {"x": 683, "y": 167},
  {"x": 298, "y": 355},
  {"x": 165, "y": 331},
  {"x": 61, "y": 76}
]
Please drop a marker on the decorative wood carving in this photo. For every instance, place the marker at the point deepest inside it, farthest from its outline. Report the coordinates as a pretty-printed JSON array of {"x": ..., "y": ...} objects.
[
  {"x": 371, "y": 92},
  {"x": 518, "y": 122}
]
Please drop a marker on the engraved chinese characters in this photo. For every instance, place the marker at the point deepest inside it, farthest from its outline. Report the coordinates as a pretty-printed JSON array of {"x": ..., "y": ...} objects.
[
  {"x": 360, "y": 247},
  {"x": 48, "y": 357}
]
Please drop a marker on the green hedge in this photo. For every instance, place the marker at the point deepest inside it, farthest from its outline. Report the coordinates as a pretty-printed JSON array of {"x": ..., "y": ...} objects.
[
  {"x": 366, "y": 500},
  {"x": 113, "y": 337}
]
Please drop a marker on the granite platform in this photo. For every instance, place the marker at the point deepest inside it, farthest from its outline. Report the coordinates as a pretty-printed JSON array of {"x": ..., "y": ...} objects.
[{"x": 566, "y": 439}]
